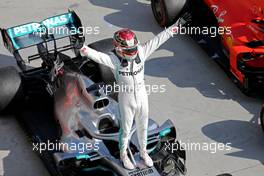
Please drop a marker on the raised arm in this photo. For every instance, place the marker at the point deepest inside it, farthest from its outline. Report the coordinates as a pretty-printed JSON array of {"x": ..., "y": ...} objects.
[
  {"x": 152, "y": 45},
  {"x": 98, "y": 57}
]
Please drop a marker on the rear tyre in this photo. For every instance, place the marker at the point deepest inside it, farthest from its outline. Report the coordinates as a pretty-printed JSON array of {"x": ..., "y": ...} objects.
[
  {"x": 166, "y": 11},
  {"x": 10, "y": 88}
]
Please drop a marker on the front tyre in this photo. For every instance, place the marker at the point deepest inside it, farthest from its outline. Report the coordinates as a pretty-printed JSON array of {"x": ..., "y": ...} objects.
[{"x": 166, "y": 11}]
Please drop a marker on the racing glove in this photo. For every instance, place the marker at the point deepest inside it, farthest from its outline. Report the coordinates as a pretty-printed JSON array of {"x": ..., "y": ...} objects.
[
  {"x": 184, "y": 20},
  {"x": 84, "y": 50}
]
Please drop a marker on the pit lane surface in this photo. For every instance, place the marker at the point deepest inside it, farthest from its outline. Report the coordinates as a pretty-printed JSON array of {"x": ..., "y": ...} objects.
[{"x": 204, "y": 104}]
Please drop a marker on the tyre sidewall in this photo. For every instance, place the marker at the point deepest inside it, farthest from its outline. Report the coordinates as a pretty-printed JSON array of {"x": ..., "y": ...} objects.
[
  {"x": 10, "y": 89},
  {"x": 171, "y": 10}
]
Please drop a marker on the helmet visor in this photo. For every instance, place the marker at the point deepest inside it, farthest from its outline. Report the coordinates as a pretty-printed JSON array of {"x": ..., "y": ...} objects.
[{"x": 130, "y": 51}]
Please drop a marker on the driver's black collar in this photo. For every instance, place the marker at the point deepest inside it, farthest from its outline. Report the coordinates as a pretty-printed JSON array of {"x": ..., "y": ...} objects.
[{"x": 124, "y": 62}]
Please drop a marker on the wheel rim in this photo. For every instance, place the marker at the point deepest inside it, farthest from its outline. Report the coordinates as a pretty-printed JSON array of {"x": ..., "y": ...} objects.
[{"x": 171, "y": 170}]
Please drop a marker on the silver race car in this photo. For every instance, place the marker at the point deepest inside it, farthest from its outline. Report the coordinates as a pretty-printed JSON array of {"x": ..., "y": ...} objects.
[{"x": 66, "y": 109}]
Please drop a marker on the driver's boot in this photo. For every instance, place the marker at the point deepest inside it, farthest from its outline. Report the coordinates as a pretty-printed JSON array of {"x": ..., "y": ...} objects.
[
  {"x": 146, "y": 158},
  {"x": 126, "y": 161}
]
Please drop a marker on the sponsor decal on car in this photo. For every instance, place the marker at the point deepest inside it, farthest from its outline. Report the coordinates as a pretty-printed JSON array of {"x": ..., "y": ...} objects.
[
  {"x": 25, "y": 29},
  {"x": 48, "y": 23},
  {"x": 219, "y": 14},
  {"x": 143, "y": 172},
  {"x": 57, "y": 21}
]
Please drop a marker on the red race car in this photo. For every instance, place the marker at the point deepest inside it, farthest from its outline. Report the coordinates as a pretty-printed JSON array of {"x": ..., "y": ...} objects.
[{"x": 242, "y": 37}]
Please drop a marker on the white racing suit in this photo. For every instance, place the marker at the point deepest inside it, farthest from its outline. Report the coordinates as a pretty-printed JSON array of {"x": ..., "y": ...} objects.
[{"x": 132, "y": 97}]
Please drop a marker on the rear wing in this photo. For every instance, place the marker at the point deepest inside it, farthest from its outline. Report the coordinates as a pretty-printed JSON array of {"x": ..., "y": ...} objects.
[{"x": 31, "y": 34}]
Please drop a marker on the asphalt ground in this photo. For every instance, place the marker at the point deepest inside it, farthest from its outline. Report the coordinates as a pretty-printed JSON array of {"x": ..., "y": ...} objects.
[{"x": 204, "y": 104}]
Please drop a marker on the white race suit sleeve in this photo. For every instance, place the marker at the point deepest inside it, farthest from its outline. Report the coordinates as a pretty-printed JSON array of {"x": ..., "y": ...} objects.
[
  {"x": 99, "y": 57},
  {"x": 152, "y": 45}
]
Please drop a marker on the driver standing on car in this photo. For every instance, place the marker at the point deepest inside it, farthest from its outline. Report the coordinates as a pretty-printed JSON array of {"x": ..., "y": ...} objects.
[{"x": 127, "y": 62}]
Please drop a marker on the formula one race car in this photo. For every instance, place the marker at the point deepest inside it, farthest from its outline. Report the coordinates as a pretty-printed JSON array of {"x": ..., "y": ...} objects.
[
  {"x": 240, "y": 47},
  {"x": 65, "y": 109}
]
